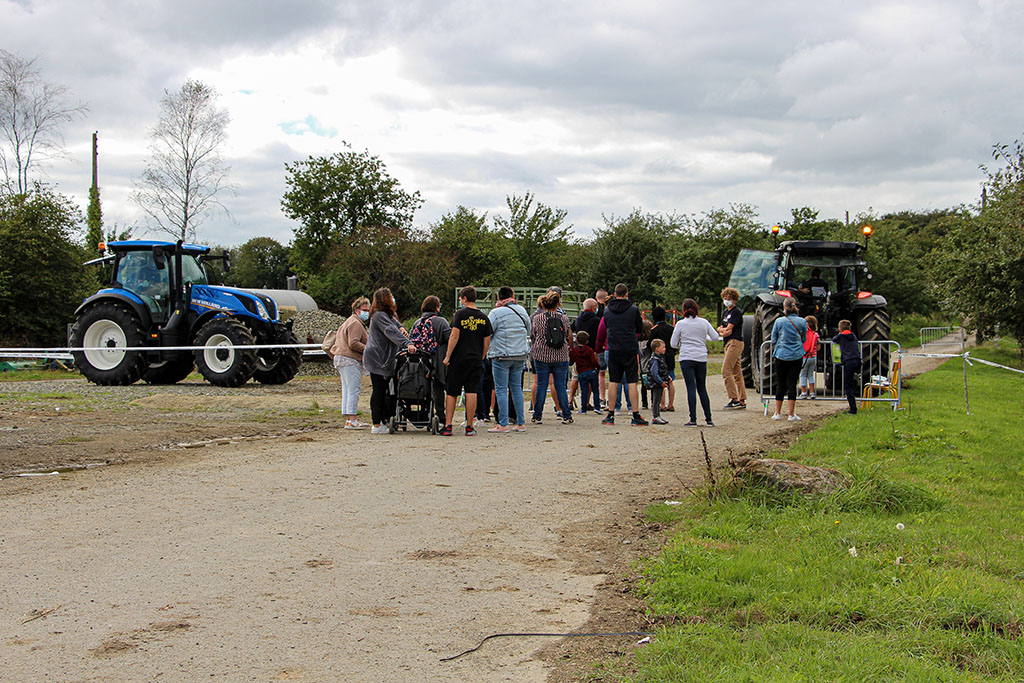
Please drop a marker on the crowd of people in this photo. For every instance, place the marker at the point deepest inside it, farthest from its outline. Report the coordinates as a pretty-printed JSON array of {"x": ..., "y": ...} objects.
[{"x": 607, "y": 355}]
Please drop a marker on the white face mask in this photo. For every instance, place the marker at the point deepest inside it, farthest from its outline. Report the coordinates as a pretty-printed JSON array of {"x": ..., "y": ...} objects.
[{"x": 728, "y": 303}]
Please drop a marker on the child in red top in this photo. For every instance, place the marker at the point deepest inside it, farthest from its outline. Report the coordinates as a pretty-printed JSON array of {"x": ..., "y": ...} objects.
[
  {"x": 586, "y": 365},
  {"x": 810, "y": 365}
]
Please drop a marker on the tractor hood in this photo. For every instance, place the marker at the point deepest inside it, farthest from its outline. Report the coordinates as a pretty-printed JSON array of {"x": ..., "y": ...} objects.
[{"x": 233, "y": 300}]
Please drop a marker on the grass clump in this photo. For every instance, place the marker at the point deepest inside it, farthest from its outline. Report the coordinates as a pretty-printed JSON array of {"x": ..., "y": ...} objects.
[{"x": 914, "y": 572}]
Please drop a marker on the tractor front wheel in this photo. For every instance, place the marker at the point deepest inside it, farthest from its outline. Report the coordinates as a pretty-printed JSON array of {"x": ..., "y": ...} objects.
[
  {"x": 279, "y": 369},
  {"x": 220, "y": 363},
  {"x": 170, "y": 372},
  {"x": 104, "y": 330}
]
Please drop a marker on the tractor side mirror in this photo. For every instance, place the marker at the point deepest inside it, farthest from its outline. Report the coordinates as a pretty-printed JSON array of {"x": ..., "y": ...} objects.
[
  {"x": 227, "y": 261},
  {"x": 158, "y": 258}
]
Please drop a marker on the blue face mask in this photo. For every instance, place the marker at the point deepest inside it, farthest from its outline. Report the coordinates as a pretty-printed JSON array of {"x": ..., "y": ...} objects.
[{"x": 364, "y": 315}]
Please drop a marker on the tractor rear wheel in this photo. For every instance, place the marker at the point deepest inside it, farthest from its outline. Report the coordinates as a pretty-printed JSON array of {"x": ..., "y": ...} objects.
[
  {"x": 281, "y": 369},
  {"x": 109, "y": 326},
  {"x": 170, "y": 372},
  {"x": 873, "y": 325},
  {"x": 220, "y": 363},
  {"x": 762, "y": 369}
]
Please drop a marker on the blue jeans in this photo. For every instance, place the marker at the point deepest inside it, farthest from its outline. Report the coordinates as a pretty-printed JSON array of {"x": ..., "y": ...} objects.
[
  {"x": 508, "y": 374},
  {"x": 559, "y": 372},
  {"x": 695, "y": 375},
  {"x": 588, "y": 386}
]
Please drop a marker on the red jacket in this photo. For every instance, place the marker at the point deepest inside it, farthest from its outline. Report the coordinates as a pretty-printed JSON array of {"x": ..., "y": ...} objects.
[{"x": 584, "y": 358}]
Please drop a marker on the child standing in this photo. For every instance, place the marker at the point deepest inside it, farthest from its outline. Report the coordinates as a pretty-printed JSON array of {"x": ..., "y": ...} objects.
[
  {"x": 587, "y": 366},
  {"x": 850, "y": 348},
  {"x": 659, "y": 379},
  {"x": 810, "y": 365}
]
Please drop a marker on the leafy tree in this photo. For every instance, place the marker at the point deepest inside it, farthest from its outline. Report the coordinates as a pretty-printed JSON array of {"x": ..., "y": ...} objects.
[
  {"x": 332, "y": 197},
  {"x": 482, "y": 256},
  {"x": 806, "y": 226},
  {"x": 32, "y": 113},
  {"x": 185, "y": 173},
  {"x": 93, "y": 220},
  {"x": 699, "y": 259},
  {"x": 979, "y": 269},
  {"x": 629, "y": 250},
  {"x": 262, "y": 262},
  {"x": 42, "y": 279},
  {"x": 540, "y": 240}
]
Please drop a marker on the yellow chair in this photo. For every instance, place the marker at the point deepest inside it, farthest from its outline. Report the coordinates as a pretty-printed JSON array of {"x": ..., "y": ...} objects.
[{"x": 879, "y": 386}]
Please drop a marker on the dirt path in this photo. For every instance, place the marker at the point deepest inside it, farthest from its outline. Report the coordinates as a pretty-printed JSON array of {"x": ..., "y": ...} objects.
[{"x": 333, "y": 555}]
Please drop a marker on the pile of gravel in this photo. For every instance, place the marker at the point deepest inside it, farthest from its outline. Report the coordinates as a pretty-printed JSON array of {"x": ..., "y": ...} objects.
[{"x": 311, "y": 327}]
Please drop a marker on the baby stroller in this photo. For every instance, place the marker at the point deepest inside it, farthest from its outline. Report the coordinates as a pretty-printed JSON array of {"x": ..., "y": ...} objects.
[{"x": 409, "y": 391}]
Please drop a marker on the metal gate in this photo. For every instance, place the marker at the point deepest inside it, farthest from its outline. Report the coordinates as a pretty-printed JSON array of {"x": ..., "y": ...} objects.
[{"x": 881, "y": 362}]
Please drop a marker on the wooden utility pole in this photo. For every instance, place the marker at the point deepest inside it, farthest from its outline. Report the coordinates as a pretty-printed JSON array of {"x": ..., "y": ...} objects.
[{"x": 95, "y": 174}]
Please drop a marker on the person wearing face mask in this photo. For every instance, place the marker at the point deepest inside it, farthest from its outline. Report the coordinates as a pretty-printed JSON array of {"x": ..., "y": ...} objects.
[
  {"x": 731, "y": 330},
  {"x": 347, "y": 351}
]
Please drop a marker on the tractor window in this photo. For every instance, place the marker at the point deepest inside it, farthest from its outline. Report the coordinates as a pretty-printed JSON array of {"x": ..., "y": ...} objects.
[
  {"x": 192, "y": 272},
  {"x": 137, "y": 272},
  {"x": 753, "y": 273}
]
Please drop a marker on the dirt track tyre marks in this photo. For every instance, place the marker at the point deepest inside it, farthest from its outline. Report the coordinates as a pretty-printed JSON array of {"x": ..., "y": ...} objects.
[
  {"x": 109, "y": 324},
  {"x": 220, "y": 363},
  {"x": 281, "y": 369}
]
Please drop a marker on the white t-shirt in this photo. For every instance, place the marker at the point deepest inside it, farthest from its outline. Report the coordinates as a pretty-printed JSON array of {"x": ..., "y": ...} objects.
[{"x": 690, "y": 336}]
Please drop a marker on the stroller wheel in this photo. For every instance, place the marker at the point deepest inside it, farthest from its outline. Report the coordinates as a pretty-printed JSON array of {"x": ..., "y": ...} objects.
[
  {"x": 393, "y": 425},
  {"x": 435, "y": 425}
]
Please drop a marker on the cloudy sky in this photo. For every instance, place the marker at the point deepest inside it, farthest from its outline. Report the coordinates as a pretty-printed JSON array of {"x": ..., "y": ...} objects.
[{"x": 596, "y": 107}]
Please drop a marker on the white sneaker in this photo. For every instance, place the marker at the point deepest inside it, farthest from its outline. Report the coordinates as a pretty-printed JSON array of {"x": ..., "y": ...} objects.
[
  {"x": 777, "y": 416},
  {"x": 354, "y": 425},
  {"x": 801, "y": 396},
  {"x": 379, "y": 430},
  {"x": 794, "y": 418}
]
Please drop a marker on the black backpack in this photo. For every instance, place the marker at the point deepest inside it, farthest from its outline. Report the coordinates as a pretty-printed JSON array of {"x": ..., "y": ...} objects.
[{"x": 554, "y": 332}]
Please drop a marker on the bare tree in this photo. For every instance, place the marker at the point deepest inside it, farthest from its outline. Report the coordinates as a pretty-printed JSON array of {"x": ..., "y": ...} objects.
[
  {"x": 179, "y": 186},
  {"x": 31, "y": 115}
]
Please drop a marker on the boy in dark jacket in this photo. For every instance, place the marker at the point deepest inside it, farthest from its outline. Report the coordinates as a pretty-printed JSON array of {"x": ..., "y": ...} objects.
[
  {"x": 849, "y": 345},
  {"x": 659, "y": 379}
]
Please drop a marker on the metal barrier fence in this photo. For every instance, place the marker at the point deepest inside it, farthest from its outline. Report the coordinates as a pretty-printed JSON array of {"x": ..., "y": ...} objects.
[
  {"x": 944, "y": 336},
  {"x": 879, "y": 379}
]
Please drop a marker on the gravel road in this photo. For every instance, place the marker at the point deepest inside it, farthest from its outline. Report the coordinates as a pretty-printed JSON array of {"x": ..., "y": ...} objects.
[{"x": 312, "y": 553}]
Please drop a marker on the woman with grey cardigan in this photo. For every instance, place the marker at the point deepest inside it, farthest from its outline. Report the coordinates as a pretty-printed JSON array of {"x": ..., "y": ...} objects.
[{"x": 385, "y": 338}]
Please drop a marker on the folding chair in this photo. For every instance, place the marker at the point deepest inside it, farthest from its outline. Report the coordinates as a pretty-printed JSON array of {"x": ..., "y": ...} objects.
[{"x": 880, "y": 386}]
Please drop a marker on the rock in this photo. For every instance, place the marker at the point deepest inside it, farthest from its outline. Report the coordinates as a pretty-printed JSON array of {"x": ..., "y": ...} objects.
[
  {"x": 312, "y": 326},
  {"x": 785, "y": 475}
]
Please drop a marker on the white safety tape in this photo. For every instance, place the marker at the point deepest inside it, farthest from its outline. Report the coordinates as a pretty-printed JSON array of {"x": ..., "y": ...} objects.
[
  {"x": 966, "y": 356},
  {"x": 72, "y": 349}
]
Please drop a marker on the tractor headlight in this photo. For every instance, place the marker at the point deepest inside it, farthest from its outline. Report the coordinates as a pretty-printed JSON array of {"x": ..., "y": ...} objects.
[{"x": 262, "y": 310}]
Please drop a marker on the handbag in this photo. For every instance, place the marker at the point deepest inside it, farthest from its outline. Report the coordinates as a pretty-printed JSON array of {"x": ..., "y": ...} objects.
[{"x": 328, "y": 343}]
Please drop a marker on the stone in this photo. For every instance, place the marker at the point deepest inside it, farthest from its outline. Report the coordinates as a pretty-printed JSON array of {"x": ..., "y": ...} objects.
[{"x": 785, "y": 475}]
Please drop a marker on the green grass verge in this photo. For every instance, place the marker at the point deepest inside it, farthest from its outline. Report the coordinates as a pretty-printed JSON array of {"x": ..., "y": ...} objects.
[{"x": 769, "y": 588}]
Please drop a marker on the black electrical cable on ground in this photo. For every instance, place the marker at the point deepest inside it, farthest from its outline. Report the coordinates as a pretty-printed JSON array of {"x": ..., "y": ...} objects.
[{"x": 557, "y": 635}]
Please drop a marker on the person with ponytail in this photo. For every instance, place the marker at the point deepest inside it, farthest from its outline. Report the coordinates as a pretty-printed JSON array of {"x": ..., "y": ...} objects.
[{"x": 690, "y": 336}]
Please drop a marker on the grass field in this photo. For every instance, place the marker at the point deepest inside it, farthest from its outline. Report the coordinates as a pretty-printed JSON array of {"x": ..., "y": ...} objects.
[{"x": 777, "y": 587}]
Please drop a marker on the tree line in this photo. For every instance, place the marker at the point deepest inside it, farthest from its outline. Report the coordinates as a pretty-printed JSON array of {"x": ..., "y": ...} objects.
[{"x": 354, "y": 230}]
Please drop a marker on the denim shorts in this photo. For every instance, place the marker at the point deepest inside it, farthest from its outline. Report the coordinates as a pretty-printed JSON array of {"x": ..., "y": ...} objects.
[{"x": 602, "y": 360}]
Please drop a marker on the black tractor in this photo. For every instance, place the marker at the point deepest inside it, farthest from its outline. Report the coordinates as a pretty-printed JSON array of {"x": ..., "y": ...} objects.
[
  {"x": 829, "y": 281},
  {"x": 159, "y": 298}
]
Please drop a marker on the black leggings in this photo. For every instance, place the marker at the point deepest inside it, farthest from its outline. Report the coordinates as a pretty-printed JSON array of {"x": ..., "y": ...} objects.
[
  {"x": 695, "y": 375},
  {"x": 379, "y": 412},
  {"x": 787, "y": 372}
]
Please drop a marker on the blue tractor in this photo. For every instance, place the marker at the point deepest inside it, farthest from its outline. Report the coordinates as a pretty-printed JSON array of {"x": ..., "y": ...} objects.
[{"x": 159, "y": 298}]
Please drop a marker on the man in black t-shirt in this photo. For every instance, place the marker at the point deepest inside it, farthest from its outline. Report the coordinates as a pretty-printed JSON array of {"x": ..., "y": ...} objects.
[
  {"x": 467, "y": 346},
  {"x": 731, "y": 330}
]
